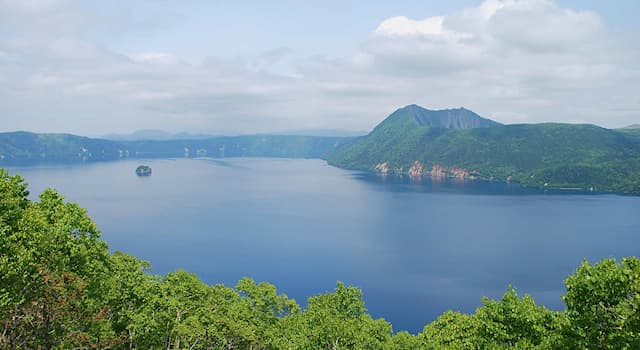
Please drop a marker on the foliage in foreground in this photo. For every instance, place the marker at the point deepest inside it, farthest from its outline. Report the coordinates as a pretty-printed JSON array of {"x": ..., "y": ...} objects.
[{"x": 60, "y": 288}]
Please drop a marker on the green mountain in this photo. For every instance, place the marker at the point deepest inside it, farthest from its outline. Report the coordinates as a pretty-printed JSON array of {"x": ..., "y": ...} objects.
[
  {"x": 546, "y": 155},
  {"x": 25, "y": 148},
  {"x": 152, "y": 134},
  {"x": 631, "y": 130},
  {"x": 458, "y": 118},
  {"x": 287, "y": 146},
  {"x": 29, "y": 148}
]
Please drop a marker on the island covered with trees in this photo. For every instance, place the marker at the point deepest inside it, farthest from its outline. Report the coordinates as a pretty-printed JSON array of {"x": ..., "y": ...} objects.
[
  {"x": 143, "y": 170},
  {"x": 61, "y": 288}
]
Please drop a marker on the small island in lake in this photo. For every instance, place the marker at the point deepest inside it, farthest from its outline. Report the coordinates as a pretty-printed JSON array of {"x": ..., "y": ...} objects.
[{"x": 143, "y": 170}]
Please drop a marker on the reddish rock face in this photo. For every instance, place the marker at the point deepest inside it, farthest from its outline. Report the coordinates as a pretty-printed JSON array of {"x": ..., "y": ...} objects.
[
  {"x": 438, "y": 171},
  {"x": 441, "y": 171},
  {"x": 382, "y": 168},
  {"x": 416, "y": 170},
  {"x": 459, "y": 173}
]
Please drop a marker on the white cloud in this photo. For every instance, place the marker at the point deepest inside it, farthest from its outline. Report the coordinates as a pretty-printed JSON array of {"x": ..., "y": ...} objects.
[
  {"x": 516, "y": 61},
  {"x": 154, "y": 57},
  {"x": 511, "y": 59},
  {"x": 402, "y": 25}
]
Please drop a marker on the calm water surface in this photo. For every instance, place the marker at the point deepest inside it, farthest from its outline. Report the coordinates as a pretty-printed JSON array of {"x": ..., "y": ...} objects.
[{"x": 416, "y": 250}]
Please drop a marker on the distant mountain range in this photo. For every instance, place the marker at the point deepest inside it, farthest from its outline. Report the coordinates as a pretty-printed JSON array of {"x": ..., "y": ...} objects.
[
  {"x": 160, "y": 135},
  {"x": 413, "y": 140},
  {"x": 147, "y": 135},
  {"x": 24, "y": 148},
  {"x": 321, "y": 132}
]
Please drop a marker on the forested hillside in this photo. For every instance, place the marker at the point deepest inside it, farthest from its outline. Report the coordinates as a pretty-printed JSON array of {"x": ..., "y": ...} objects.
[
  {"x": 29, "y": 148},
  {"x": 60, "y": 288},
  {"x": 552, "y": 154},
  {"x": 26, "y": 148},
  {"x": 288, "y": 146}
]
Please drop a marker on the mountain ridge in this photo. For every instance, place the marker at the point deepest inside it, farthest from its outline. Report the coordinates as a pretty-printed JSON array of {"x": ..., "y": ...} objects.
[
  {"x": 452, "y": 118},
  {"x": 554, "y": 155},
  {"x": 25, "y": 148}
]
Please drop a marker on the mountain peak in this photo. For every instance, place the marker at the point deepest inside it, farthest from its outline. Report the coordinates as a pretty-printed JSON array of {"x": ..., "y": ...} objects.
[{"x": 454, "y": 118}]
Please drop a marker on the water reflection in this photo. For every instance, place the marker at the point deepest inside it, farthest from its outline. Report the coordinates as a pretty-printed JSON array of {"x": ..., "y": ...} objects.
[{"x": 464, "y": 185}]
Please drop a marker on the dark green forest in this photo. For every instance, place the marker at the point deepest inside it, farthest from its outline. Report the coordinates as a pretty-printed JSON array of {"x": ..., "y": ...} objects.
[
  {"x": 552, "y": 155},
  {"x": 61, "y": 288},
  {"x": 25, "y": 148}
]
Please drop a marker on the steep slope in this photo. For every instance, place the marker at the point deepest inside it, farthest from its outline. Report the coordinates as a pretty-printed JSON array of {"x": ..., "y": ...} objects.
[
  {"x": 552, "y": 154},
  {"x": 459, "y": 118}
]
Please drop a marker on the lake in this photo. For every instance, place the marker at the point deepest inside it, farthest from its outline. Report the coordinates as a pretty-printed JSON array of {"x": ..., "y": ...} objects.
[{"x": 416, "y": 249}]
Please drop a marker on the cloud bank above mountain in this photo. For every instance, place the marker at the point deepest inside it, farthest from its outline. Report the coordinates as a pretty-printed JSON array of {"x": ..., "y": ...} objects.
[{"x": 514, "y": 61}]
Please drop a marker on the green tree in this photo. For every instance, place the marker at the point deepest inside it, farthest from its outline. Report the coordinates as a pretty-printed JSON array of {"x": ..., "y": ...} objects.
[
  {"x": 53, "y": 272},
  {"x": 405, "y": 341},
  {"x": 267, "y": 309},
  {"x": 339, "y": 321},
  {"x": 452, "y": 330},
  {"x": 603, "y": 305},
  {"x": 130, "y": 292},
  {"x": 516, "y": 323}
]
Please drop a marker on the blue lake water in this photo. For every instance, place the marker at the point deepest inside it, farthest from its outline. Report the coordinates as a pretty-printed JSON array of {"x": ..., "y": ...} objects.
[{"x": 416, "y": 249}]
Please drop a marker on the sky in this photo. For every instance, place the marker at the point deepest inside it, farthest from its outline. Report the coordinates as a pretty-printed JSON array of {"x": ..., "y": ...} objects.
[{"x": 238, "y": 67}]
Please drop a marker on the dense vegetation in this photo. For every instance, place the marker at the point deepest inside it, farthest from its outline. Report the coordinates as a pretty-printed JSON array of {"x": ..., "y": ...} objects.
[
  {"x": 553, "y": 155},
  {"x": 288, "y": 146},
  {"x": 27, "y": 148},
  {"x": 60, "y": 288},
  {"x": 30, "y": 148}
]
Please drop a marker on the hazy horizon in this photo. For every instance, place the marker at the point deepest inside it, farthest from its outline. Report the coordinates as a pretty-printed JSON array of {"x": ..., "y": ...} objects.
[
  {"x": 93, "y": 68},
  {"x": 160, "y": 134}
]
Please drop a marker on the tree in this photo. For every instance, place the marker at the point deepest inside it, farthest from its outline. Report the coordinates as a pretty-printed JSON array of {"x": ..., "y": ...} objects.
[
  {"x": 452, "y": 330},
  {"x": 130, "y": 294},
  {"x": 405, "y": 341},
  {"x": 603, "y": 305},
  {"x": 52, "y": 274},
  {"x": 339, "y": 321},
  {"x": 516, "y": 323}
]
